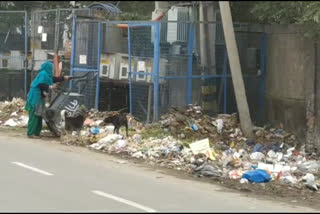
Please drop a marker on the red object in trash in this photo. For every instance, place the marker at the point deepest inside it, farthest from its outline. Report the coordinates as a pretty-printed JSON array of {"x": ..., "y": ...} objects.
[
  {"x": 296, "y": 153},
  {"x": 279, "y": 176},
  {"x": 88, "y": 122}
]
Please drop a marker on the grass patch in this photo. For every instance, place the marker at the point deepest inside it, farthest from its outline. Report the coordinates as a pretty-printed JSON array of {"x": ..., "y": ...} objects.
[
  {"x": 131, "y": 132},
  {"x": 155, "y": 131}
]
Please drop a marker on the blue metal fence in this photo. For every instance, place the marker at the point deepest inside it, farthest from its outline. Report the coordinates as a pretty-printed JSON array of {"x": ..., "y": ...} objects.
[
  {"x": 165, "y": 72},
  {"x": 85, "y": 57}
]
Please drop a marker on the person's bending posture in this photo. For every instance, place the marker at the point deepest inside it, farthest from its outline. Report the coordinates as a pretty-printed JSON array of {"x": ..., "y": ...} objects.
[{"x": 35, "y": 102}]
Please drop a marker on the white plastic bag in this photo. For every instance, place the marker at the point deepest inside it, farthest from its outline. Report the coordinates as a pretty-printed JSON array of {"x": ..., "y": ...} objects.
[
  {"x": 219, "y": 125},
  {"x": 11, "y": 123},
  {"x": 257, "y": 156},
  {"x": 121, "y": 143}
]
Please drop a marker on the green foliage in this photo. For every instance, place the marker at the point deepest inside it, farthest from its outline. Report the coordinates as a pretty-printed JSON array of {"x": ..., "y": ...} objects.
[
  {"x": 290, "y": 12},
  {"x": 131, "y": 10},
  {"x": 241, "y": 11},
  {"x": 155, "y": 131}
]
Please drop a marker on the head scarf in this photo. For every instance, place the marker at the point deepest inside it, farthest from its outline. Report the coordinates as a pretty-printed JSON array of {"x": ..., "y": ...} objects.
[{"x": 45, "y": 75}]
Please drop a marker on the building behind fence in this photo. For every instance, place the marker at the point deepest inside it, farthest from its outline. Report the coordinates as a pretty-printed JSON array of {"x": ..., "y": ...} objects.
[
  {"x": 13, "y": 54},
  {"x": 164, "y": 61}
]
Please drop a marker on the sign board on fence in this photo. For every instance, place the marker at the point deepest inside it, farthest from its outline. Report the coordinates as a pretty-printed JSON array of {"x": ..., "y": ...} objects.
[
  {"x": 141, "y": 66},
  {"x": 201, "y": 146},
  {"x": 83, "y": 59},
  {"x": 44, "y": 37},
  {"x": 40, "y": 29}
]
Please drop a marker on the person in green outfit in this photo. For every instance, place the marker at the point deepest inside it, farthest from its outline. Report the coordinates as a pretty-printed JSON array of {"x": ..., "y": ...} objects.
[{"x": 39, "y": 90}]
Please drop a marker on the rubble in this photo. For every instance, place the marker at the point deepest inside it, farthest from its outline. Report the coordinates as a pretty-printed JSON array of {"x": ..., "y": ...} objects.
[
  {"x": 13, "y": 113},
  {"x": 216, "y": 147},
  {"x": 208, "y": 170},
  {"x": 187, "y": 140}
]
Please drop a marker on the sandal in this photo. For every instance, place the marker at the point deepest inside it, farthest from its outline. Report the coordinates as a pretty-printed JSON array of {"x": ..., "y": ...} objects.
[{"x": 34, "y": 137}]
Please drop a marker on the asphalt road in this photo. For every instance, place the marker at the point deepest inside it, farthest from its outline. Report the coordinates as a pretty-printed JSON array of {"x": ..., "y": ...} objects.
[{"x": 39, "y": 176}]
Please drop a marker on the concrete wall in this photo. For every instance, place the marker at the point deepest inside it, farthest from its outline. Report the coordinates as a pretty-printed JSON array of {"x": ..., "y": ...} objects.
[{"x": 290, "y": 66}]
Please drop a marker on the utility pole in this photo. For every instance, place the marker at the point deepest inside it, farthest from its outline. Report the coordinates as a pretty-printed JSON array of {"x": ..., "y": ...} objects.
[
  {"x": 203, "y": 35},
  {"x": 237, "y": 80},
  {"x": 211, "y": 18}
]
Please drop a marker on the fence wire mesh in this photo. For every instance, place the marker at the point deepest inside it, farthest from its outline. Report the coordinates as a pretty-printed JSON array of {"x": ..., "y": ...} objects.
[
  {"x": 197, "y": 71},
  {"x": 193, "y": 68},
  {"x": 86, "y": 56},
  {"x": 142, "y": 59},
  {"x": 13, "y": 53},
  {"x": 86, "y": 88},
  {"x": 51, "y": 32}
]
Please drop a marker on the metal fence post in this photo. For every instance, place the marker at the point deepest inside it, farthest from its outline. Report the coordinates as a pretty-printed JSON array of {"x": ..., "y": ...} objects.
[
  {"x": 156, "y": 49},
  {"x": 73, "y": 46},
  {"x": 190, "y": 58},
  {"x": 25, "y": 54},
  {"x": 225, "y": 70},
  {"x": 130, "y": 81},
  {"x": 262, "y": 69},
  {"x": 98, "y": 66}
]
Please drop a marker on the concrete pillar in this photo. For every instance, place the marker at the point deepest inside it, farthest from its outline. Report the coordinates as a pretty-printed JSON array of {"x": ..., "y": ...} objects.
[
  {"x": 317, "y": 98},
  {"x": 237, "y": 79},
  {"x": 211, "y": 11}
]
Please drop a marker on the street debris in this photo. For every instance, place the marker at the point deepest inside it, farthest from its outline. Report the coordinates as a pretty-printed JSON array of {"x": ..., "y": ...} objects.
[
  {"x": 210, "y": 147},
  {"x": 187, "y": 140},
  {"x": 13, "y": 114},
  {"x": 257, "y": 176}
]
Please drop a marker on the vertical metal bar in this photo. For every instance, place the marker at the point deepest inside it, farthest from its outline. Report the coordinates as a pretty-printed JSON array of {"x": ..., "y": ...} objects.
[
  {"x": 149, "y": 104},
  {"x": 98, "y": 66},
  {"x": 190, "y": 58},
  {"x": 262, "y": 69},
  {"x": 25, "y": 54},
  {"x": 73, "y": 46},
  {"x": 156, "y": 49},
  {"x": 130, "y": 81},
  {"x": 225, "y": 70},
  {"x": 33, "y": 40}
]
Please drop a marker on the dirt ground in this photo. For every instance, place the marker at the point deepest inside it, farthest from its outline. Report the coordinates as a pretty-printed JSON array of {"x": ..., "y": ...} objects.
[{"x": 270, "y": 191}]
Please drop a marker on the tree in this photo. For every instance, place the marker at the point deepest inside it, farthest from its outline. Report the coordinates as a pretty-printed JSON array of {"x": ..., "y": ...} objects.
[
  {"x": 132, "y": 9},
  {"x": 241, "y": 11},
  {"x": 290, "y": 12}
]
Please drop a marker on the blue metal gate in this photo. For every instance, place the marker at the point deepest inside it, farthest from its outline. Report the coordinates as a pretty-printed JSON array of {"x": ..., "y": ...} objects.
[{"x": 85, "y": 57}]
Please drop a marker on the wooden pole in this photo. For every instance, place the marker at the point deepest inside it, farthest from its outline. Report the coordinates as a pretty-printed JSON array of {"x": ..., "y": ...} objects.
[{"x": 237, "y": 80}]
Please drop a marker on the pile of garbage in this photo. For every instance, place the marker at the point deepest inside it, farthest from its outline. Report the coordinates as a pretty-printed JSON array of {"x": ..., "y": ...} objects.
[
  {"x": 221, "y": 150},
  {"x": 256, "y": 164},
  {"x": 223, "y": 129},
  {"x": 198, "y": 144},
  {"x": 13, "y": 113},
  {"x": 95, "y": 119},
  {"x": 97, "y": 115}
]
